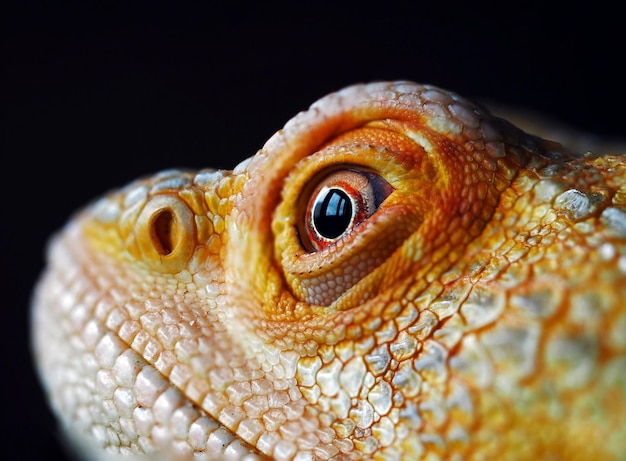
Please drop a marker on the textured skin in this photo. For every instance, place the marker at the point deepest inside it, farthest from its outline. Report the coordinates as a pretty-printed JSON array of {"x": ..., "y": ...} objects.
[{"x": 478, "y": 313}]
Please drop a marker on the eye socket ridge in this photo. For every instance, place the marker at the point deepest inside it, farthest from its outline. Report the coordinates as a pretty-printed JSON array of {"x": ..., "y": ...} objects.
[{"x": 338, "y": 204}]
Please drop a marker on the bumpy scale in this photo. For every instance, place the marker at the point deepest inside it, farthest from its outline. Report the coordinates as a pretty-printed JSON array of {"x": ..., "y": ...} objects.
[{"x": 396, "y": 275}]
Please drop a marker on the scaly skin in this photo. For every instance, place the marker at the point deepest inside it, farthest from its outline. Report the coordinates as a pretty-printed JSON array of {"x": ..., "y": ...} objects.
[{"x": 474, "y": 310}]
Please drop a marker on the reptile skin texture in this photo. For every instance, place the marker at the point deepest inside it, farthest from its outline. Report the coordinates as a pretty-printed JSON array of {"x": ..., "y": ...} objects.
[{"x": 396, "y": 275}]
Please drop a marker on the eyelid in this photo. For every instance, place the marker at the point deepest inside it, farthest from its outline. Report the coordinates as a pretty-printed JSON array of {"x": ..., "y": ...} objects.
[{"x": 355, "y": 255}]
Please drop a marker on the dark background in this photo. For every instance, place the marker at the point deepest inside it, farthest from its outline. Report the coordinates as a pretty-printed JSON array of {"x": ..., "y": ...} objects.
[{"x": 94, "y": 95}]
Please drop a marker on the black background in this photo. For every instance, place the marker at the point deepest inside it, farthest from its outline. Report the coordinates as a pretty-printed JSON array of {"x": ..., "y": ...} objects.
[{"x": 96, "y": 94}]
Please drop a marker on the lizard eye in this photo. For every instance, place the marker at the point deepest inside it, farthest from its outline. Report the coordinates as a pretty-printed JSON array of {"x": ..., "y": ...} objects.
[
  {"x": 343, "y": 211},
  {"x": 339, "y": 203}
]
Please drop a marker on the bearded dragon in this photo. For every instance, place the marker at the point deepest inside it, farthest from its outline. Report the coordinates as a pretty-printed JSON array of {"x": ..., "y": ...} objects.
[{"x": 397, "y": 274}]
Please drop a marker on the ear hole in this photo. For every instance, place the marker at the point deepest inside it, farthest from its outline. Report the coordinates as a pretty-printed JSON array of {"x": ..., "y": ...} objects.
[{"x": 164, "y": 232}]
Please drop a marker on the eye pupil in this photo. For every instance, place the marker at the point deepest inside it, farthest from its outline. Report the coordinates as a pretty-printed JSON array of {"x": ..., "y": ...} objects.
[{"x": 333, "y": 214}]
